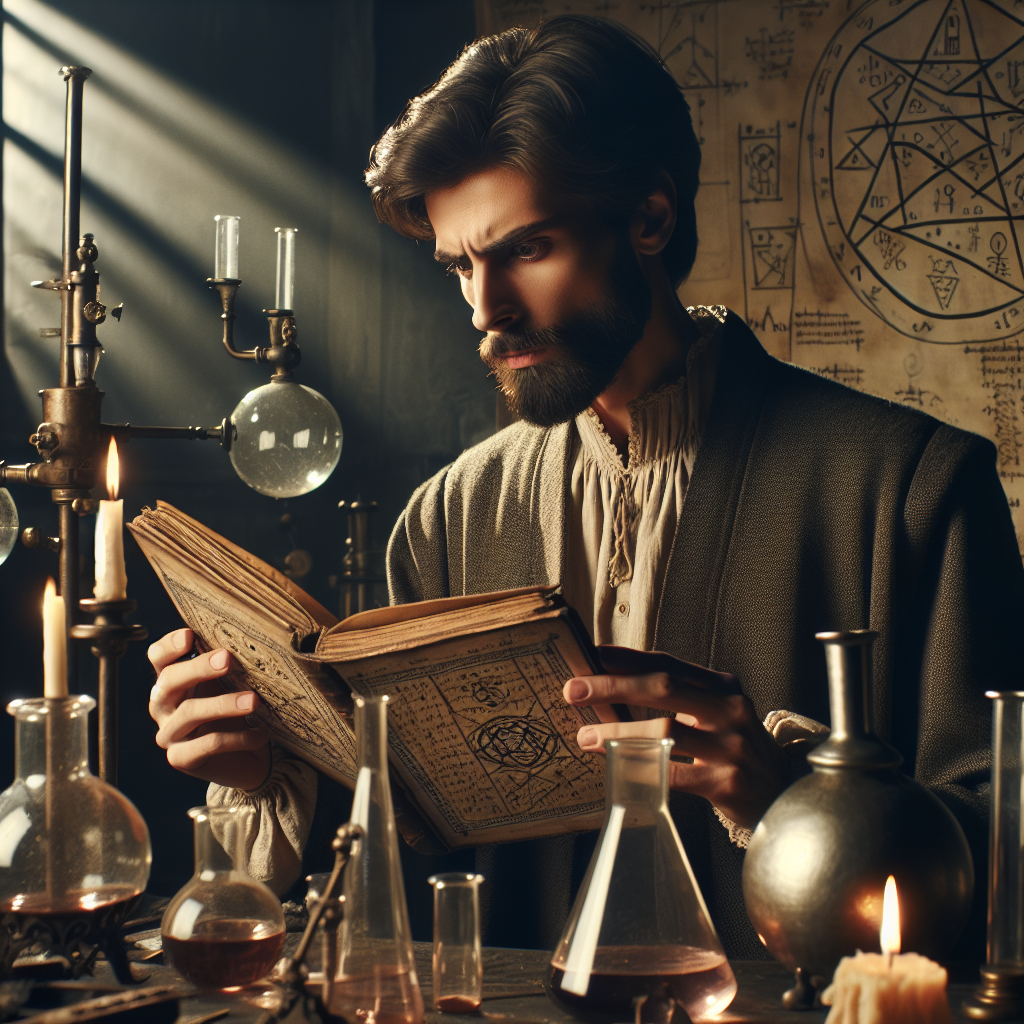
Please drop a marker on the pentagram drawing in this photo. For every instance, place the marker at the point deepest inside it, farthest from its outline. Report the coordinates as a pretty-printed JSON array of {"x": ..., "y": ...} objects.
[
  {"x": 517, "y": 742},
  {"x": 915, "y": 122}
]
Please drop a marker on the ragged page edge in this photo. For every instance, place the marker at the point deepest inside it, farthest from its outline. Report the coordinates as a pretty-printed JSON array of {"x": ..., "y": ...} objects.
[
  {"x": 310, "y": 605},
  {"x": 586, "y": 662},
  {"x": 374, "y": 617}
]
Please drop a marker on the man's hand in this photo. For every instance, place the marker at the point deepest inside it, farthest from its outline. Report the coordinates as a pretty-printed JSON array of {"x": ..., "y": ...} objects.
[
  {"x": 737, "y": 765},
  {"x": 203, "y": 729}
]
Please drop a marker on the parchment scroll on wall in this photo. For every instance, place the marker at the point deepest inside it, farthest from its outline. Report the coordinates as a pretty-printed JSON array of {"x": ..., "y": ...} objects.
[{"x": 867, "y": 162}]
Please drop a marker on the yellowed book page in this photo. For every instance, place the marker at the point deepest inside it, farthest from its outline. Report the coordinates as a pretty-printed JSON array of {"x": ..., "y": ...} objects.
[
  {"x": 417, "y": 631},
  {"x": 302, "y": 702},
  {"x": 310, "y": 605},
  {"x": 481, "y": 737}
]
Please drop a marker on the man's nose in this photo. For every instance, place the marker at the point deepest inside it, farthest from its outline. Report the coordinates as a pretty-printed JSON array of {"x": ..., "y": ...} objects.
[{"x": 494, "y": 302}]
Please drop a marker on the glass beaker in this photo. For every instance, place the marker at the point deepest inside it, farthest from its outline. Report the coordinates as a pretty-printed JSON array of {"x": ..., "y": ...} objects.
[
  {"x": 74, "y": 852},
  {"x": 458, "y": 967},
  {"x": 375, "y": 975},
  {"x": 223, "y": 929},
  {"x": 639, "y": 928}
]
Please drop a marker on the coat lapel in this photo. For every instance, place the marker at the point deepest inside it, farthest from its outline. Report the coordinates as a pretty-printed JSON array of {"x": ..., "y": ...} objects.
[{"x": 689, "y": 607}]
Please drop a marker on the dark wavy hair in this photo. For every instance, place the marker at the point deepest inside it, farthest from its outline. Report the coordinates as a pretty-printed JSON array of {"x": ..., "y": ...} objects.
[{"x": 581, "y": 105}]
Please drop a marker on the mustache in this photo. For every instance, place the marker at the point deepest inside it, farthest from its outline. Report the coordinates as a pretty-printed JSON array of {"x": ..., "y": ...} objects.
[{"x": 498, "y": 346}]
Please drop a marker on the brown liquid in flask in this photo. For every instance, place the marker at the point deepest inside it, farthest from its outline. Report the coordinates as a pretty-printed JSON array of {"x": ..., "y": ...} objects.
[
  {"x": 223, "y": 929},
  {"x": 225, "y": 953},
  {"x": 639, "y": 926}
]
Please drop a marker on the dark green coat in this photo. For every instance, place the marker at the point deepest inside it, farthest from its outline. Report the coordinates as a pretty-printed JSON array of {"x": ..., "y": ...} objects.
[{"x": 811, "y": 507}]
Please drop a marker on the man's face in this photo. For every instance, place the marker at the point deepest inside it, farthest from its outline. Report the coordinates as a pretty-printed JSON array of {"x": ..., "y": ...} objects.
[{"x": 561, "y": 297}]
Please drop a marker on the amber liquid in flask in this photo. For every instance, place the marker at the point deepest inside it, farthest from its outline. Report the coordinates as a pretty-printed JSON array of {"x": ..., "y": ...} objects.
[
  {"x": 375, "y": 978},
  {"x": 224, "y": 929},
  {"x": 639, "y": 927}
]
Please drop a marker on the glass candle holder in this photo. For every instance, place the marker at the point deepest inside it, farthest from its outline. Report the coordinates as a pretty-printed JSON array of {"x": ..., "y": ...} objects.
[
  {"x": 458, "y": 968},
  {"x": 225, "y": 261},
  {"x": 285, "y": 267}
]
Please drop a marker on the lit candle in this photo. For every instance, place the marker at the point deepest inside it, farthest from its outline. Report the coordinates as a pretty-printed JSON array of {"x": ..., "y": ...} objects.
[
  {"x": 55, "y": 644},
  {"x": 879, "y": 988},
  {"x": 111, "y": 581}
]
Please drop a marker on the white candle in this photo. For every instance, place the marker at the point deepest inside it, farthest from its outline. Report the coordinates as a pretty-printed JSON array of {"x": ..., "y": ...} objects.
[
  {"x": 55, "y": 644},
  {"x": 879, "y": 988},
  {"x": 111, "y": 581}
]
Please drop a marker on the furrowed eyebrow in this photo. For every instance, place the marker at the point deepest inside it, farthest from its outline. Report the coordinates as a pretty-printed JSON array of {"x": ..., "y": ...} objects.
[{"x": 502, "y": 243}]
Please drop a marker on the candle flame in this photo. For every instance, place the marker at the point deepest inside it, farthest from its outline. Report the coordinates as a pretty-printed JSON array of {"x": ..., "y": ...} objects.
[
  {"x": 50, "y": 593},
  {"x": 890, "y": 934},
  {"x": 113, "y": 471}
]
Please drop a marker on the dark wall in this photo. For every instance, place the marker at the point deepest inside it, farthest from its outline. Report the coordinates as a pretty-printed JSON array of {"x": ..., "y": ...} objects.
[{"x": 266, "y": 109}]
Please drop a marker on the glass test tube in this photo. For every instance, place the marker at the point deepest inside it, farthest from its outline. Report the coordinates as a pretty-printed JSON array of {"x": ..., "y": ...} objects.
[
  {"x": 1006, "y": 858},
  {"x": 285, "y": 267},
  {"x": 225, "y": 260},
  {"x": 458, "y": 968}
]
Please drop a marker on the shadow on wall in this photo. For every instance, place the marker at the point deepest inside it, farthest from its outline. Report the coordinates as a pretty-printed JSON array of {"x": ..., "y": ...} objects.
[{"x": 265, "y": 109}]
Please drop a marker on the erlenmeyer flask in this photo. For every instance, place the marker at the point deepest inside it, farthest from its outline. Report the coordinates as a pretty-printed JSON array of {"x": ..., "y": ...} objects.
[
  {"x": 223, "y": 929},
  {"x": 375, "y": 978},
  {"x": 639, "y": 927}
]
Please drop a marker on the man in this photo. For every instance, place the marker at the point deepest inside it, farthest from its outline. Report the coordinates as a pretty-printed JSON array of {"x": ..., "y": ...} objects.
[{"x": 692, "y": 495}]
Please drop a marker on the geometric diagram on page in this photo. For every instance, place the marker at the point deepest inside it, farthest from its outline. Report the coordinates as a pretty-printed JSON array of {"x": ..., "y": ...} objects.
[
  {"x": 685, "y": 34},
  {"x": 760, "y": 170},
  {"x": 772, "y": 252},
  {"x": 917, "y": 162},
  {"x": 489, "y": 738}
]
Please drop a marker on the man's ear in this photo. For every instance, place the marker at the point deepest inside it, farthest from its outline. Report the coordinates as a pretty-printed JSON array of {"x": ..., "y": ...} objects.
[{"x": 655, "y": 218}]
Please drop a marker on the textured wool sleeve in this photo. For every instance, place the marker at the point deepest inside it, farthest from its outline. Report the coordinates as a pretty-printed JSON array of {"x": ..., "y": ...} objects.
[
  {"x": 277, "y": 832},
  {"x": 417, "y": 558},
  {"x": 964, "y": 618}
]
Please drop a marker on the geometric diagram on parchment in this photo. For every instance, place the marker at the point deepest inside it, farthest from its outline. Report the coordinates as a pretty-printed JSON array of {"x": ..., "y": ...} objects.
[
  {"x": 685, "y": 34},
  {"x": 772, "y": 251},
  {"x": 917, "y": 164},
  {"x": 759, "y": 164},
  {"x": 517, "y": 742}
]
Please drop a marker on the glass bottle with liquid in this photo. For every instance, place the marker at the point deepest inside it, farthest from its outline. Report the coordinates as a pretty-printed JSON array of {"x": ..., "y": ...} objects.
[
  {"x": 375, "y": 973},
  {"x": 639, "y": 929},
  {"x": 74, "y": 851},
  {"x": 224, "y": 929}
]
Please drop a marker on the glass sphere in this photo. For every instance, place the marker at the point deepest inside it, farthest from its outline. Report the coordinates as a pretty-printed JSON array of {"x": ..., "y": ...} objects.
[
  {"x": 8, "y": 524},
  {"x": 287, "y": 439}
]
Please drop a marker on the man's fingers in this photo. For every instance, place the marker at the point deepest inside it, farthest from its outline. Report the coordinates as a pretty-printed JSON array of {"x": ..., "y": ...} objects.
[
  {"x": 169, "y": 648},
  {"x": 198, "y": 711},
  {"x": 652, "y": 690},
  {"x": 690, "y": 742},
  {"x": 177, "y": 679},
  {"x": 592, "y": 738},
  {"x": 190, "y": 755}
]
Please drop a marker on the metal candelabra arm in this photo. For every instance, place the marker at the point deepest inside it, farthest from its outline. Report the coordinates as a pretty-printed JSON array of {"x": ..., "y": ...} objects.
[{"x": 283, "y": 352}]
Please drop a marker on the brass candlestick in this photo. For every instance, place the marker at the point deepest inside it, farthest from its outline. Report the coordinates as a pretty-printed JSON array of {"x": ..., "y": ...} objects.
[{"x": 109, "y": 635}]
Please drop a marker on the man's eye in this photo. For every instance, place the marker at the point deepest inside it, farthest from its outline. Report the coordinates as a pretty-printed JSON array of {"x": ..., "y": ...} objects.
[
  {"x": 459, "y": 268},
  {"x": 530, "y": 251}
]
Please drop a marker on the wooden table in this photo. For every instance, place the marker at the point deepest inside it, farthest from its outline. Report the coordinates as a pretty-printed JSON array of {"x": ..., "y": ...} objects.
[{"x": 513, "y": 993}]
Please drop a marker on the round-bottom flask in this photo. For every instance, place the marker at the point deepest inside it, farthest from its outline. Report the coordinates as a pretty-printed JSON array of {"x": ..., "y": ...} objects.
[
  {"x": 74, "y": 852},
  {"x": 224, "y": 929},
  {"x": 639, "y": 929}
]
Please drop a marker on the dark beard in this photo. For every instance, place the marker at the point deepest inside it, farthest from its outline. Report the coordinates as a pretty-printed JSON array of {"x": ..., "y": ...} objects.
[{"x": 588, "y": 350}]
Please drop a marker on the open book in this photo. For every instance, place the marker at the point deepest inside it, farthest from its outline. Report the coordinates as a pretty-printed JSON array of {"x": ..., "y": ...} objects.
[{"x": 482, "y": 745}]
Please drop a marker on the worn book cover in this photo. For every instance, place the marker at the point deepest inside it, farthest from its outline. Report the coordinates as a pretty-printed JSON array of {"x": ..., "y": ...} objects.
[{"x": 482, "y": 746}]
